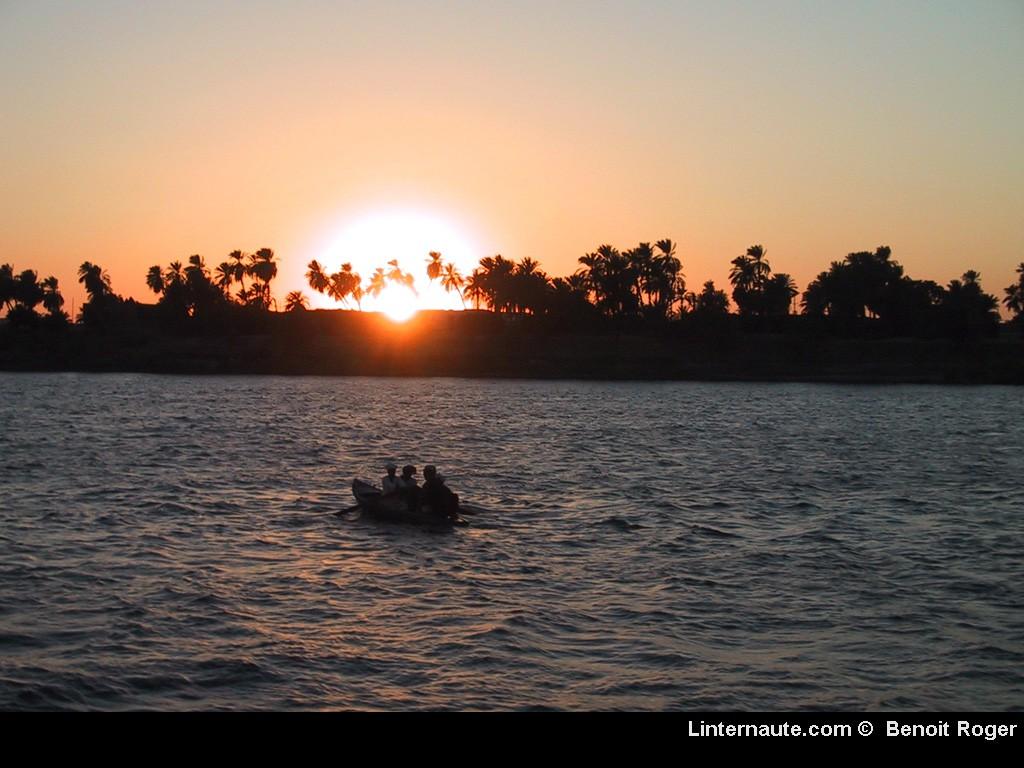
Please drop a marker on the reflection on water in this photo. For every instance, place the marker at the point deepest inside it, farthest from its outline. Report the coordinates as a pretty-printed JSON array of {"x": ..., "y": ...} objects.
[{"x": 168, "y": 542}]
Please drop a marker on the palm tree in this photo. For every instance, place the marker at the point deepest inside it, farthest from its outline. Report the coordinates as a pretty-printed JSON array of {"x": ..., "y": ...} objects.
[
  {"x": 528, "y": 287},
  {"x": 296, "y": 301},
  {"x": 742, "y": 275},
  {"x": 396, "y": 275},
  {"x": 197, "y": 278},
  {"x": 6, "y": 286},
  {"x": 1014, "y": 300},
  {"x": 224, "y": 276},
  {"x": 748, "y": 276},
  {"x": 710, "y": 301},
  {"x": 761, "y": 267},
  {"x": 27, "y": 290},
  {"x": 155, "y": 279},
  {"x": 496, "y": 279},
  {"x": 861, "y": 286},
  {"x": 433, "y": 266},
  {"x": 612, "y": 277},
  {"x": 340, "y": 284},
  {"x": 103, "y": 307},
  {"x": 95, "y": 280},
  {"x": 22, "y": 294},
  {"x": 778, "y": 294},
  {"x": 52, "y": 300},
  {"x": 377, "y": 282},
  {"x": 240, "y": 270},
  {"x": 577, "y": 282},
  {"x": 344, "y": 284},
  {"x": 196, "y": 265},
  {"x": 667, "y": 248},
  {"x": 318, "y": 279},
  {"x": 666, "y": 283},
  {"x": 641, "y": 261},
  {"x": 566, "y": 300},
  {"x": 263, "y": 269},
  {"x": 175, "y": 273},
  {"x": 474, "y": 288},
  {"x": 967, "y": 309},
  {"x": 451, "y": 280}
]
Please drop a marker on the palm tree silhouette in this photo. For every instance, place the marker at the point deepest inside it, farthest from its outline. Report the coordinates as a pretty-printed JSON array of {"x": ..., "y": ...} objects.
[
  {"x": 95, "y": 280},
  {"x": 175, "y": 274},
  {"x": 155, "y": 279},
  {"x": 749, "y": 276},
  {"x": 528, "y": 287},
  {"x": 318, "y": 279},
  {"x": 224, "y": 276},
  {"x": 778, "y": 294},
  {"x": 433, "y": 266},
  {"x": 861, "y": 286},
  {"x": 377, "y": 282},
  {"x": 23, "y": 293},
  {"x": 6, "y": 286},
  {"x": 263, "y": 269},
  {"x": 52, "y": 300},
  {"x": 641, "y": 261},
  {"x": 709, "y": 301},
  {"x": 103, "y": 305},
  {"x": 474, "y": 288},
  {"x": 295, "y": 301},
  {"x": 396, "y": 275},
  {"x": 612, "y": 277},
  {"x": 1014, "y": 300},
  {"x": 240, "y": 270},
  {"x": 666, "y": 283},
  {"x": 451, "y": 280},
  {"x": 496, "y": 279},
  {"x": 196, "y": 262},
  {"x": 340, "y": 286},
  {"x": 967, "y": 309}
]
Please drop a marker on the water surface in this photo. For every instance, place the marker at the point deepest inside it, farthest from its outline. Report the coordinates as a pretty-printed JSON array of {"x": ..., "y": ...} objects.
[{"x": 169, "y": 542}]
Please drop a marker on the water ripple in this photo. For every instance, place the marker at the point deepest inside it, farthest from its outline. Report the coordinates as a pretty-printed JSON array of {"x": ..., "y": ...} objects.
[{"x": 168, "y": 542}]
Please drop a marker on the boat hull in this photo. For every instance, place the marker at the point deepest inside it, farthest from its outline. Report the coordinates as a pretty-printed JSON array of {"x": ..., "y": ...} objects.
[{"x": 394, "y": 509}]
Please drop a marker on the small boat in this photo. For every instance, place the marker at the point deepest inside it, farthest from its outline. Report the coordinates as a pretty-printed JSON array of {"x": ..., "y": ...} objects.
[{"x": 394, "y": 509}]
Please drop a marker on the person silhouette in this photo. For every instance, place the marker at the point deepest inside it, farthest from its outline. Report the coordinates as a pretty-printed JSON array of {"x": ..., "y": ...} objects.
[
  {"x": 408, "y": 486},
  {"x": 437, "y": 495},
  {"x": 390, "y": 483}
]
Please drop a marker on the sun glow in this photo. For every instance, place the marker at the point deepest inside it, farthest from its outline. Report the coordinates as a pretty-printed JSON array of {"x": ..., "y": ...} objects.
[
  {"x": 399, "y": 304},
  {"x": 402, "y": 238}
]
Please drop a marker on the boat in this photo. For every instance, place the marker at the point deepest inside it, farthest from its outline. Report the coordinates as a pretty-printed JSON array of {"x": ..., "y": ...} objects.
[{"x": 394, "y": 509}]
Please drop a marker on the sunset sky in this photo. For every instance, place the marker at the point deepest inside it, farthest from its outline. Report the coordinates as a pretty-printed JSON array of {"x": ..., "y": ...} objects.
[{"x": 139, "y": 133}]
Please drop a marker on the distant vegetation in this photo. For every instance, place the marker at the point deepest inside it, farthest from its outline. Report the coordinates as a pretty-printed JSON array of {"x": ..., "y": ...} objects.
[
  {"x": 867, "y": 293},
  {"x": 21, "y": 294}
]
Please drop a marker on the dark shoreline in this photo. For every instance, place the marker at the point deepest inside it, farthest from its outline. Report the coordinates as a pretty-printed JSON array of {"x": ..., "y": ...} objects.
[{"x": 485, "y": 346}]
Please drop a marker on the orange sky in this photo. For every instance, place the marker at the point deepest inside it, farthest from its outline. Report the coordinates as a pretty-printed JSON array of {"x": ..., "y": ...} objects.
[{"x": 137, "y": 134}]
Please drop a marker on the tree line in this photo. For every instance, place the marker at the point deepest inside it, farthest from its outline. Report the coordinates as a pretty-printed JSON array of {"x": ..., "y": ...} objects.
[{"x": 640, "y": 287}]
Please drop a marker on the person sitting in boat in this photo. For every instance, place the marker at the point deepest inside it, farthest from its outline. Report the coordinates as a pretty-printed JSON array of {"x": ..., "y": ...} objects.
[
  {"x": 407, "y": 481},
  {"x": 437, "y": 495},
  {"x": 408, "y": 486},
  {"x": 390, "y": 484}
]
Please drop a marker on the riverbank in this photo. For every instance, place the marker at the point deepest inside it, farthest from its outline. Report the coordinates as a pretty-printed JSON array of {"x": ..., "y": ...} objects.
[{"x": 482, "y": 345}]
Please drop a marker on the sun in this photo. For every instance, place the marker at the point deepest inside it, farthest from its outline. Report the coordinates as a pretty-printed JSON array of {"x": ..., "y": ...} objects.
[
  {"x": 372, "y": 240},
  {"x": 398, "y": 304}
]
